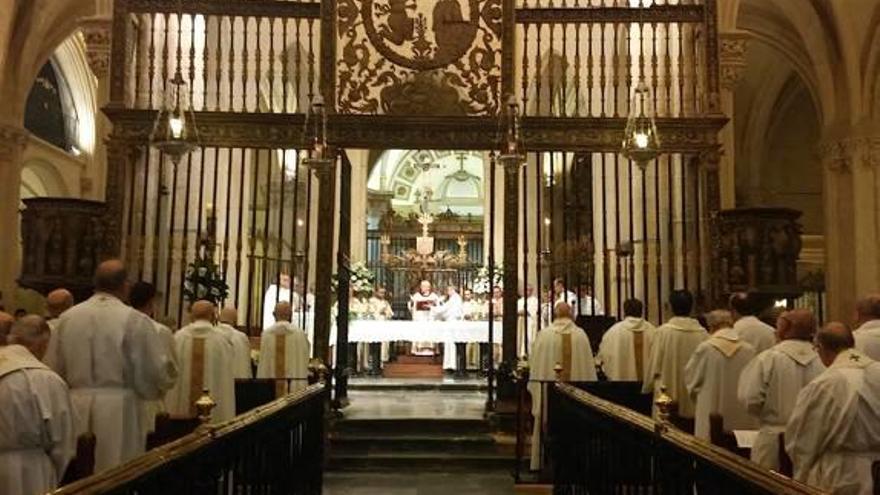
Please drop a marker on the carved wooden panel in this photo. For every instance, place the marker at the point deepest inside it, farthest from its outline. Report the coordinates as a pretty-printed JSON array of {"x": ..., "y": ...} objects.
[
  {"x": 419, "y": 57},
  {"x": 63, "y": 240}
]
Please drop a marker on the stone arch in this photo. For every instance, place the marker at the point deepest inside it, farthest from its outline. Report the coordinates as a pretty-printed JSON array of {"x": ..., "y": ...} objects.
[{"x": 41, "y": 178}]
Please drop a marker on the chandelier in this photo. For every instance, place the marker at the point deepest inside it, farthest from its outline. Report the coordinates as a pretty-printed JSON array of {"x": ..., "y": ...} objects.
[
  {"x": 174, "y": 131},
  {"x": 641, "y": 142}
]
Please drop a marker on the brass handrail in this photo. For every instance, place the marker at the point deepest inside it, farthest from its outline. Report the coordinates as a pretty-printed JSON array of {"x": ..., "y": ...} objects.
[
  {"x": 202, "y": 436},
  {"x": 768, "y": 480}
]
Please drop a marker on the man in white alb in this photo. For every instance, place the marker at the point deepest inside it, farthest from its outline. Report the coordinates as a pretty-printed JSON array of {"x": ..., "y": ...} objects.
[
  {"x": 769, "y": 385},
  {"x": 241, "y": 344},
  {"x": 284, "y": 353},
  {"x": 867, "y": 335},
  {"x": 450, "y": 310},
  {"x": 565, "y": 344},
  {"x": 205, "y": 356},
  {"x": 37, "y": 438},
  {"x": 712, "y": 374},
  {"x": 671, "y": 348},
  {"x": 142, "y": 297},
  {"x": 420, "y": 305},
  {"x": 527, "y": 320},
  {"x": 382, "y": 311},
  {"x": 833, "y": 435},
  {"x": 112, "y": 358},
  {"x": 749, "y": 328},
  {"x": 57, "y": 302},
  {"x": 588, "y": 304},
  {"x": 625, "y": 349},
  {"x": 276, "y": 293}
]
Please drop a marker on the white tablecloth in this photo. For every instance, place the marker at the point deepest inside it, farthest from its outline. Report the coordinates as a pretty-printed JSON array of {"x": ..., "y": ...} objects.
[{"x": 422, "y": 331}]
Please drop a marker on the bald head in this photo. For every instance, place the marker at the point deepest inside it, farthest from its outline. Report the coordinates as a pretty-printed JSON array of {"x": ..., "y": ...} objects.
[
  {"x": 797, "y": 324},
  {"x": 229, "y": 315},
  {"x": 562, "y": 310},
  {"x": 832, "y": 339},
  {"x": 31, "y": 331},
  {"x": 868, "y": 308},
  {"x": 111, "y": 277},
  {"x": 283, "y": 311},
  {"x": 718, "y": 319},
  {"x": 6, "y": 321},
  {"x": 58, "y": 301},
  {"x": 202, "y": 310}
]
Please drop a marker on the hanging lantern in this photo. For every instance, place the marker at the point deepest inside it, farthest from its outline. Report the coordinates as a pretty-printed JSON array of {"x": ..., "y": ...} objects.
[
  {"x": 641, "y": 143},
  {"x": 174, "y": 132},
  {"x": 512, "y": 146},
  {"x": 317, "y": 137}
]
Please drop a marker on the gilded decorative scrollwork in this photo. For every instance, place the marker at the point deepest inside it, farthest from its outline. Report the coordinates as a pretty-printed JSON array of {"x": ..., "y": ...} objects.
[{"x": 415, "y": 57}]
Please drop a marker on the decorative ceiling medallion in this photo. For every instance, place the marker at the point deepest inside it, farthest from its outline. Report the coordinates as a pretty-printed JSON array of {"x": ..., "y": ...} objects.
[{"x": 421, "y": 35}]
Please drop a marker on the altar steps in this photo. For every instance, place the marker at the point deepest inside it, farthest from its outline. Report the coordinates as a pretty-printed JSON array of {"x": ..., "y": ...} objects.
[
  {"x": 433, "y": 445},
  {"x": 408, "y": 366}
]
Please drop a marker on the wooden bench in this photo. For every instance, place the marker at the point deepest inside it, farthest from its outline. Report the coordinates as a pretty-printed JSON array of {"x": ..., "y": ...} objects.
[
  {"x": 626, "y": 394},
  {"x": 168, "y": 428},
  {"x": 724, "y": 438},
  {"x": 83, "y": 463}
]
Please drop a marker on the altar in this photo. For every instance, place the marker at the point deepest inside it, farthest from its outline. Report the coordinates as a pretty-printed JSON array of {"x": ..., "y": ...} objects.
[{"x": 461, "y": 331}]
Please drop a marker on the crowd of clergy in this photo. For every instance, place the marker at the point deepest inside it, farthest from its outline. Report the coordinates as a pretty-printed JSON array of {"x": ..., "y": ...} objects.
[
  {"x": 105, "y": 367},
  {"x": 811, "y": 392}
]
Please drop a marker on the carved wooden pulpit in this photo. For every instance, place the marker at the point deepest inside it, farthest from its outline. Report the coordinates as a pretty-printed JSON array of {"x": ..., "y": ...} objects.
[
  {"x": 758, "y": 251},
  {"x": 63, "y": 240}
]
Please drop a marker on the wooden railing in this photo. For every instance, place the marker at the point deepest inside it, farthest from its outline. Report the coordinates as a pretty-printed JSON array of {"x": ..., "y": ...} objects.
[
  {"x": 595, "y": 446},
  {"x": 277, "y": 448}
]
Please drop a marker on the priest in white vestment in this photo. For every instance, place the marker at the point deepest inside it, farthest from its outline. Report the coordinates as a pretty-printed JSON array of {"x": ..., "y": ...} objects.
[
  {"x": 671, "y": 348},
  {"x": 527, "y": 320},
  {"x": 57, "y": 302},
  {"x": 833, "y": 435},
  {"x": 452, "y": 309},
  {"x": 749, "y": 328},
  {"x": 113, "y": 359},
  {"x": 382, "y": 311},
  {"x": 712, "y": 374},
  {"x": 867, "y": 335},
  {"x": 205, "y": 356},
  {"x": 565, "y": 344},
  {"x": 588, "y": 304},
  {"x": 420, "y": 305},
  {"x": 241, "y": 344},
  {"x": 37, "y": 438},
  {"x": 284, "y": 353},
  {"x": 769, "y": 385},
  {"x": 142, "y": 297},
  {"x": 625, "y": 349},
  {"x": 282, "y": 291}
]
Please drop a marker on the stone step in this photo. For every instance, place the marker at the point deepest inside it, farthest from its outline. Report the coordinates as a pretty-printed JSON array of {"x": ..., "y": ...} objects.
[
  {"x": 425, "y": 443},
  {"x": 395, "y": 427},
  {"x": 416, "y": 385},
  {"x": 419, "y": 462}
]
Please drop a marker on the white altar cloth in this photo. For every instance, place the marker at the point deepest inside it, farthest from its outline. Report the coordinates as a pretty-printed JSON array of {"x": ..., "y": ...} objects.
[{"x": 464, "y": 331}]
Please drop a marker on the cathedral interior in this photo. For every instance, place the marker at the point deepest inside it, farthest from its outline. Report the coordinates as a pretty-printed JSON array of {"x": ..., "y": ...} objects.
[{"x": 631, "y": 148}]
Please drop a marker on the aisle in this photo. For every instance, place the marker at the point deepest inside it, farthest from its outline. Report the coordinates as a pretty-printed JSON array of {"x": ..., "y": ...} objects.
[{"x": 416, "y": 437}]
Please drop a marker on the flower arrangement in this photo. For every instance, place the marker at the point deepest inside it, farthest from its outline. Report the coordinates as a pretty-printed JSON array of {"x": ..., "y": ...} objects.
[
  {"x": 204, "y": 281},
  {"x": 361, "y": 278},
  {"x": 482, "y": 285}
]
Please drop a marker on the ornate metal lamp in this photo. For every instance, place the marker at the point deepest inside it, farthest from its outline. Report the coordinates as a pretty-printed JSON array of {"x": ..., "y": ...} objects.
[
  {"x": 174, "y": 131},
  {"x": 511, "y": 152},
  {"x": 641, "y": 143},
  {"x": 320, "y": 157}
]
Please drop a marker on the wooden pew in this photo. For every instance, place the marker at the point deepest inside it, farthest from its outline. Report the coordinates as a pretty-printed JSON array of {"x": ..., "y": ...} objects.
[
  {"x": 168, "y": 428},
  {"x": 83, "y": 463},
  {"x": 785, "y": 465},
  {"x": 626, "y": 394},
  {"x": 684, "y": 424},
  {"x": 253, "y": 392},
  {"x": 724, "y": 438}
]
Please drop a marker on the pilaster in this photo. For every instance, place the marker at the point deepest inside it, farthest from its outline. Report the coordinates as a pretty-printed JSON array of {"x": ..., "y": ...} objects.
[
  {"x": 12, "y": 144},
  {"x": 97, "y": 35},
  {"x": 732, "y": 63}
]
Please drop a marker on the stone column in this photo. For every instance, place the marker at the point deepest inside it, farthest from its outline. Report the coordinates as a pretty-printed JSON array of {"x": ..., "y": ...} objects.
[
  {"x": 12, "y": 144},
  {"x": 96, "y": 32},
  {"x": 732, "y": 58},
  {"x": 325, "y": 171},
  {"x": 852, "y": 221}
]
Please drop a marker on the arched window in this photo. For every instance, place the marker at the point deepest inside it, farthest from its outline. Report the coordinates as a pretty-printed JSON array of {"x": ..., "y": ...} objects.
[{"x": 50, "y": 113}]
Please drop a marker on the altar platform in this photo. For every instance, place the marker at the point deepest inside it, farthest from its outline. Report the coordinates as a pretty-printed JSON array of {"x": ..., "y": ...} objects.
[{"x": 462, "y": 331}]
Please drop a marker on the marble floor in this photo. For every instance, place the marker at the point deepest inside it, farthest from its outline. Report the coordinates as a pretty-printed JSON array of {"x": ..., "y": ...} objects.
[
  {"x": 454, "y": 483},
  {"x": 415, "y": 404}
]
